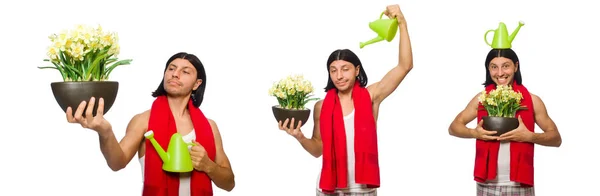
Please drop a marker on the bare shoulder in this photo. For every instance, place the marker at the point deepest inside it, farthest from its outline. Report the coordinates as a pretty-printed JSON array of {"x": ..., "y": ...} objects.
[
  {"x": 535, "y": 99},
  {"x": 317, "y": 110},
  {"x": 145, "y": 115},
  {"x": 474, "y": 103},
  {"x": 213, "y": 126},
  {"x": 139, "y": 122},
  {"x": 538, "y": 104},
  {"x": 372, "y": 86},
  {"x": 318, "y": 105},
  {"x": 470, "y": 111},
  {"x": 371, "y": 89}
]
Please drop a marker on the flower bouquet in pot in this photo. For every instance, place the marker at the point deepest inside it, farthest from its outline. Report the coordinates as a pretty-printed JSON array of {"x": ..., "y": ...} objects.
[
  {"x": 84, "y": 56},
  {"x": 502, "y": 105},
  {"x": 292, "y": 93}
]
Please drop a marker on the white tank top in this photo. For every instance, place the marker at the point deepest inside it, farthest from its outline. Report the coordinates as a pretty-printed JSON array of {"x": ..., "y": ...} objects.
[
  {"x": 352, "y": 186},
  {"x": 503, "y": 174},
  {"x": 184, "y": 178}
]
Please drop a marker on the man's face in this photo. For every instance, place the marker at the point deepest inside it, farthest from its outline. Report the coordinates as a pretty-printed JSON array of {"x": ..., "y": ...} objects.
[
  {"x": 343, "y": 74},
  {"x": 502, "y": 70},
  {"x": 181, "y": 78}
]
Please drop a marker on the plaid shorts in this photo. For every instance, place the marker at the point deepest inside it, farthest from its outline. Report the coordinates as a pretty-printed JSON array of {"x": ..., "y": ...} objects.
[
  {"x": 372, "y": 192},
  {"x": 491, "y": 190}
]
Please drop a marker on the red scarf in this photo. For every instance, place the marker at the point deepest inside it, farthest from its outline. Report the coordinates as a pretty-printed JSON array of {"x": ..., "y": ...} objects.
[
  {"x": 521, "y": 153},
  {"x": 334, "y": 172},
  {"x": 158, "y": 182}
]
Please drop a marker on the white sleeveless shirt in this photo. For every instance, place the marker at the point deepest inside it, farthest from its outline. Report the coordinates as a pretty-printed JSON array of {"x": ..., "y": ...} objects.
[
  {"x": 184, "y": 178},
  {"x": 503, "y": 174},
  {"x": 352, "y": 186}
]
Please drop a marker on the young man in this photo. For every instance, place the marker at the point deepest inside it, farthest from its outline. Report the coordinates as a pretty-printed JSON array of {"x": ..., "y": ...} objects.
[
  {"x": 175, "y": 109},
  {"x": 504, "y": 164},
  {"x": 345, "y": 121}
]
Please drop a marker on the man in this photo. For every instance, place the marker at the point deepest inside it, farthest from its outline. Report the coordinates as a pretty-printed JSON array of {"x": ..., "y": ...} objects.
[
  {"x": 175, "y": 109},
  {"x": 504, "y": 164},
  {"x": 344, "y": 129}
]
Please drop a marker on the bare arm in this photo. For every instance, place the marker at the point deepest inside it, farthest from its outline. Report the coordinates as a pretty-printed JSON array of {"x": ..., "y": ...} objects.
[
  {"x": 550, "y": 136},
  {"x": 221, "y": 172},
  {"x": 119, "y": 154},
  {"x": 388, "y": 84},
  {"x": 458, "y": 127},
  {"x": 314, "y": 146}
]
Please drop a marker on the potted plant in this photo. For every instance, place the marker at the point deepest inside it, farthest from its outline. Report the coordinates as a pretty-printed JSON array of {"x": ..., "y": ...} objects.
[
  {"x": 292, "y": 93},
  {"x": 501, "y": 104},
  {"x": 84, "y": 56}
]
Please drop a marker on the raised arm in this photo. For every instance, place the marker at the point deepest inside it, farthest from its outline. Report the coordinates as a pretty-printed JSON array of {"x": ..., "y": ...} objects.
[{"x": 382, "y": 89}]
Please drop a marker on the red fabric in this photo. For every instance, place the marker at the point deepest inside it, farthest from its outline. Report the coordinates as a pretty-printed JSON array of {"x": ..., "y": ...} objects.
[
  {"x": 334, "y": 172},
  {"x": 158, "y": 182},
  {"x": 521, "y": 153}
]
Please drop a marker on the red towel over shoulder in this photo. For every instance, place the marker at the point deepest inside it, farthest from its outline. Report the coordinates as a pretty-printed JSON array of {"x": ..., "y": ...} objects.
[
  {"x": 158, "y": 182},
  {"x": 334, "y": 171},
  {"x": 521, "y": 153}
]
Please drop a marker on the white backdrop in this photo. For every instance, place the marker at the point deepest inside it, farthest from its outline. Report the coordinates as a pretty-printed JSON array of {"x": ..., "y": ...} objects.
[{"x": 247, "y": 45}]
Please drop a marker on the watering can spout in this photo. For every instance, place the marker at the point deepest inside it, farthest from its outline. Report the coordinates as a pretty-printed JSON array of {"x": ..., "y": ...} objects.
[
  {"x": 514, "y": 33},
  {"x": 372, "y": 41},
  {"x": 385, "y": 28},
  {"x": 161, "y": 152}
]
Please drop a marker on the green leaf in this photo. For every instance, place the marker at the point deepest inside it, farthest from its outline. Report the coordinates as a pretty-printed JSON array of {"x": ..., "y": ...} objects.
[
  {"x": 48, "y": 67},
  {"x": 61, "y": 70},
  {"x": 113, "y": 66},
  {"x": 61, "y": 57},
  {"x": 95, "y": 67}
]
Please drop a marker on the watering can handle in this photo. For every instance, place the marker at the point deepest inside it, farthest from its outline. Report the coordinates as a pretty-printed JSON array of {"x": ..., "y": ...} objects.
[
  {"x": 381, "y": 15},
  {"x": 485, "y": 36},
  {"x": 190, "y": 145}
]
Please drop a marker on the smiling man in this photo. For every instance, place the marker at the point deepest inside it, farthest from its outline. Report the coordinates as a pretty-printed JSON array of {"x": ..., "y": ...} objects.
[
  {"x": 175, "y": 109},
  {"x": 504, "y": 164}
]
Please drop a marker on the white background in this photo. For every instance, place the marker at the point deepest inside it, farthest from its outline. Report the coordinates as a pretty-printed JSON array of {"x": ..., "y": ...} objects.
[{"x": 247, "y": 45}]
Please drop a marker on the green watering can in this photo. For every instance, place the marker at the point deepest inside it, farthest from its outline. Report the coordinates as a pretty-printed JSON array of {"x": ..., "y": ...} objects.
[
  {"x": 501, "y": 38},
  {"x": 177, "y": 158},
  {"x": 385, "y": 28}
]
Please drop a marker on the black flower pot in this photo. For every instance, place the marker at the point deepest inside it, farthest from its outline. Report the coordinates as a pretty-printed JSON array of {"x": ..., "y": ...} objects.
[
  {"x": 500, "y": 124},
  {"x": 281, "y": 114},
  {"x": 73, "y": 93}
]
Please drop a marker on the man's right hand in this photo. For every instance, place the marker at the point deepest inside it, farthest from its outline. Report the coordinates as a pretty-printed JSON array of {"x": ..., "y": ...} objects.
[
  {"x": 482, "y": 134},
  {"x": 292, "y": 131},
  {"x": 96, "y": 123}
]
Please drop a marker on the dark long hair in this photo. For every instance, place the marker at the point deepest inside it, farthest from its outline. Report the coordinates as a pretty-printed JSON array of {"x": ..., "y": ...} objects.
[
  {"x": 506, "y": 53},
  {"x": 346, "y": 55},
  {"x": 197, "y": 95}
]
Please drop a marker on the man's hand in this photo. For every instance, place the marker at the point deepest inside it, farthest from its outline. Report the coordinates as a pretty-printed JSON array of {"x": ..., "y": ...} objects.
[
  {"x": 96, "y": 123},
  {"x": 200, "y": 159},
  {"x": 520, "y": 134},
  {"x": 292, "y": 131},
  {"x": 393, "y": 11},
  {"x": 482, "y": 134}
]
